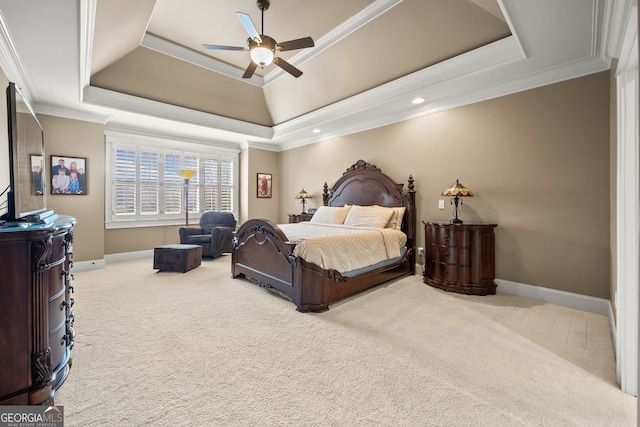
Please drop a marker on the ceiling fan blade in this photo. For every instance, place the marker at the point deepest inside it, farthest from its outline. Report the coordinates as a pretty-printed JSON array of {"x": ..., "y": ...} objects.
[
  {"x": 248, "y": 25},
  {"x": 219, "y": 47},
  {"x": 250, "y": 70},
  {"x": 296, "y": 44},
  {"x": 287, "y": 67}
]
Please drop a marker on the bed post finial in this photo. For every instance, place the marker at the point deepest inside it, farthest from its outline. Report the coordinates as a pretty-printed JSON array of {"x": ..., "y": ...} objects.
[
  {"x": 411, "y": 220},
  {"x": 325, "y": 194}
]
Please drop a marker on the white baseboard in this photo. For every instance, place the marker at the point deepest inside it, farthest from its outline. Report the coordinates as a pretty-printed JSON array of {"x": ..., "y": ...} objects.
[
  {"x": 98, "y": 264},
  {"x": 128, "y": 256},
  {"x": 554, "y": 296},
  {"x": 95, "y": 264}
]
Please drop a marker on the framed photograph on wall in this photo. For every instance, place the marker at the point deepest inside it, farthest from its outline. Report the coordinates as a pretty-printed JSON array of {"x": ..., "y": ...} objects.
[
  {"x": 37, "y": 178},
  {"x": 68, "y": 175},
  {"x": 264, "y": 186}
]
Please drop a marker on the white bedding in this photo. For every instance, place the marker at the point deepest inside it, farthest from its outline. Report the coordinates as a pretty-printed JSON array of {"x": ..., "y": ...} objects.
[{"x": 342, "y": 247}]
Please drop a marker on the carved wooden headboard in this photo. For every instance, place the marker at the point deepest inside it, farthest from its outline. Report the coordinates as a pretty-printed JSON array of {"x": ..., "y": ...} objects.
[{"x": 365, "y": 184}]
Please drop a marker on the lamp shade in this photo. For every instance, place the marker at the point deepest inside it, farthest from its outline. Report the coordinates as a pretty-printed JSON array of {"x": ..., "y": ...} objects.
[
  {"x": 457, "y": 190},
  {"x": 303, "y": 195},
  {"x": 186, "y": 173}
]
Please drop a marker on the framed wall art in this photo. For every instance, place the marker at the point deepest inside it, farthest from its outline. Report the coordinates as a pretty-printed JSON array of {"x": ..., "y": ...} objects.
[
  {"x": 68, "y": 175},
  {"x": 264, "y": 186}
]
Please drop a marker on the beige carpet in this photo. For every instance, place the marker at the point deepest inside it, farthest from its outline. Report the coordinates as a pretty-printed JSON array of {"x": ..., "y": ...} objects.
[{"x": 202, "y": 349}]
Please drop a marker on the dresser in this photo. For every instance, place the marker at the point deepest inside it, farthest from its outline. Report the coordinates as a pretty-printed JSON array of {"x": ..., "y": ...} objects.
[
  {"x": 460, "y": 257},
  {"x": 36, "y": 322},
  {"x": 294, "y": 218}
]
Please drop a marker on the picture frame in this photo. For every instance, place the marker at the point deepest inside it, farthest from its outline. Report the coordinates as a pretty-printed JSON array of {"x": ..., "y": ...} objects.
[
  {"x": 69, "y": 175},
  {"x": 37, "y": 174},
  {"x": 264, "y": 185}
]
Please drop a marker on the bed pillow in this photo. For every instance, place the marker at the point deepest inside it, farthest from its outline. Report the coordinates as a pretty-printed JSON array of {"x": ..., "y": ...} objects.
[
  {"x": 395, "y": 222},
  {"x": 330, "y": 215},
  {"x": 368, "y": 216}
]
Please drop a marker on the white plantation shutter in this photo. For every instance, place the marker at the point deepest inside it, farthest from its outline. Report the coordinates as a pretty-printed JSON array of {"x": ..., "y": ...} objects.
[
  {"x": 210, "y": 184},
  {"x": 146, "y": 188},
  {"x": 125, "y": 181},
  {"x": 173, "y": 199},
  {"x": 226, "y": 186},
  {"x": 149, "y": 182}
]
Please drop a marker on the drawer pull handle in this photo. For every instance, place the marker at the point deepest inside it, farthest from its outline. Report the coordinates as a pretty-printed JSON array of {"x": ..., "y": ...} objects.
[
  {"x": 446, "y": 237},
  {"x": 446, "y": 254},
  {"x": 446, "y": 272}
]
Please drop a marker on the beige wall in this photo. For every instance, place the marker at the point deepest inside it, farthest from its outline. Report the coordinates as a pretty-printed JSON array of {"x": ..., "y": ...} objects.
[
  {"x": 538, "y": 162},
  {"x": 259, "y": 161},
  {"x": 74, "y": 138}
]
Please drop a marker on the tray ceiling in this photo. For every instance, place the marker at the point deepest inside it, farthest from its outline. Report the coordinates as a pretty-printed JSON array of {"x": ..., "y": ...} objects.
[{"x": 139, "y": 66}]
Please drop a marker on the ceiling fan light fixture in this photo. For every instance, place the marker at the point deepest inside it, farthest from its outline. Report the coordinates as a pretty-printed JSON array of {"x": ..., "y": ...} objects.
[{"x": 261, "y": 55}]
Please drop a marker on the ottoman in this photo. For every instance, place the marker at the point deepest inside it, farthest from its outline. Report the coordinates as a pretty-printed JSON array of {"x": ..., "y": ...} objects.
[{"x": 177, "y": 257}]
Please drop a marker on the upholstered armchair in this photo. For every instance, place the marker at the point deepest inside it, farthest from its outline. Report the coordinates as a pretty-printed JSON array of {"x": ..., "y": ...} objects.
[{"x": 215, "y": 233}]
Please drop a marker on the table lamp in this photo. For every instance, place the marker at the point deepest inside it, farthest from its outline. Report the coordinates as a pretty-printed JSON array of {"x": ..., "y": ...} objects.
[
  {"x": 303, "y": 195},
  {"x": 456, "y": 191}
]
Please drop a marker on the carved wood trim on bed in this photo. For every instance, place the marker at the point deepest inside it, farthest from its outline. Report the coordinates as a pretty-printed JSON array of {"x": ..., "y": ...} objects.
[{"x": 262, "y": 253}]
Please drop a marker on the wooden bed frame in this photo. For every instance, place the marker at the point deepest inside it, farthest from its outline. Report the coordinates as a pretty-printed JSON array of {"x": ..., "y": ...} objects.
[{"x": 262, "y": 254}]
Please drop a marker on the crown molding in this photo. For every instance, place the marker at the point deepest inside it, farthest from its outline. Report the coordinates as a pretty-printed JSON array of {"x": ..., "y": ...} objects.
[
  {"x": 87, "y": 23},
  {"x": 174, "y": 116},
  {"x": 201, "y": 60},
  {"x": 70, "y": 113},
  {"x": 12, "y": 65},
  {"x": 352, "y": 24}
]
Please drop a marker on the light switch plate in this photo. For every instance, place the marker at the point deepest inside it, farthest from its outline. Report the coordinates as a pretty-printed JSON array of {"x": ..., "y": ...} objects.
[{"x": 440, "y": 204}]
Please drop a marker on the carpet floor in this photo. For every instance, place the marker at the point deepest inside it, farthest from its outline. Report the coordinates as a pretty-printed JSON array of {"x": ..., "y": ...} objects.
[{"x": 203, "y": 349}]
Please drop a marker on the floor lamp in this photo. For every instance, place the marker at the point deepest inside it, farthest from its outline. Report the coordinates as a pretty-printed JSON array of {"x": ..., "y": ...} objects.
[{"x": 186, "y": 174}]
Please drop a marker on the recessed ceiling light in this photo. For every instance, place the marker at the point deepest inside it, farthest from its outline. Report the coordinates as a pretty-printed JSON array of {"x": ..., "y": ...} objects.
[
  {"x": 418, "y": 101},
  {"x": 316, "y": 130}
]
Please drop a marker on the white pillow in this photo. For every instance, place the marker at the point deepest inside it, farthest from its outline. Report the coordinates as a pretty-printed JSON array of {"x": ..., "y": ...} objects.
[
  {"x": 396, "y": 219},
  {"x": 368, "y": 216},
  {"x": 330, "y": 215}
]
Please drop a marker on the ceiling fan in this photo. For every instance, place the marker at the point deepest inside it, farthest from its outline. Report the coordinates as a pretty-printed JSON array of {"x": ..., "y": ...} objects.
[{"x": 262, "y": 47}]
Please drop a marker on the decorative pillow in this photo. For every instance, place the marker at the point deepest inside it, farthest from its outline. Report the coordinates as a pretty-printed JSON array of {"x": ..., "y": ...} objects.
[
  {"x": 368, "y": 216},
  {"x": 330, "y": 215},
  {"x": 396, "y": 219}
]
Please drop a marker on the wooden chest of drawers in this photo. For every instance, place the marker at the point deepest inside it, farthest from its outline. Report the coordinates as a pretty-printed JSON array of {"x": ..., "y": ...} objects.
[
  {"x": 36, "y": 323},
  {"x": 460, "y": 257}
]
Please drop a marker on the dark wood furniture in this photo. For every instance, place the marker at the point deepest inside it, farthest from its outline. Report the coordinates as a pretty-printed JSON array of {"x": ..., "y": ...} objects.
[
  {"x": 460, "y": 257},
  {"x": 36, "y": 320},
  {"x": 262, "y": 253},
  {"x": 181, "y": 258},
  {"x": 295, "y": 218}
]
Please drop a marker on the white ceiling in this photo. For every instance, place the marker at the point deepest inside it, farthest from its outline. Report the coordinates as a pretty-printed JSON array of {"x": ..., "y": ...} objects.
[{"x": 56, "y": 50}]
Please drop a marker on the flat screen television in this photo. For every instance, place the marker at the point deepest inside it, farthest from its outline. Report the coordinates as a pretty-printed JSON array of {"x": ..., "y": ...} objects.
[{"x": 25, "y": 195}]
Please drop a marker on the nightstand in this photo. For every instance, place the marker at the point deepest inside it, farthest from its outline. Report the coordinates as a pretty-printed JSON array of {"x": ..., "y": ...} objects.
[
  {"x": 460, "y": 257},
  {"x": 293, "y": 218}
]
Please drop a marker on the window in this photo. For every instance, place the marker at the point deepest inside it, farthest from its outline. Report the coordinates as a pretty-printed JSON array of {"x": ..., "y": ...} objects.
[{"x": 144, "y": 188}]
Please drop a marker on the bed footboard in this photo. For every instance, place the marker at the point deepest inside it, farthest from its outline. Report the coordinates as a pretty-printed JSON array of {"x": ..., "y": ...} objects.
[{"x": 262, "y": 254}]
